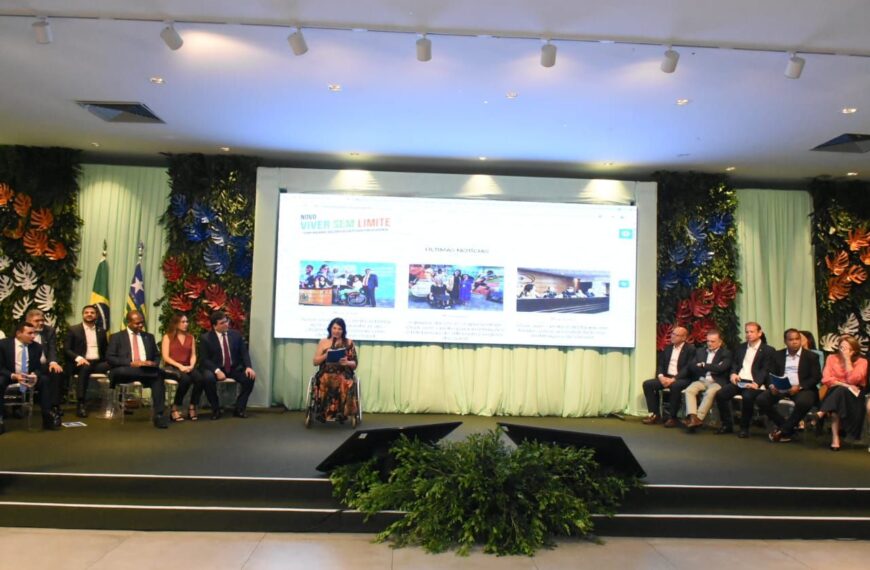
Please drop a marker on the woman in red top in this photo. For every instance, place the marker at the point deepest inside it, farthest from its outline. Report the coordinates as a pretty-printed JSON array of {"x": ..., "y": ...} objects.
[
  {"x": 845, "y": 377},
  {"x": 179, "y": 357}
]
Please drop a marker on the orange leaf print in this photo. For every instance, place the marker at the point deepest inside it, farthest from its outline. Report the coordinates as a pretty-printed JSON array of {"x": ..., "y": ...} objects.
[
  {"x": 56, "y": 251},
  {"x": 22, "y": 204},
  {"x": 6, "y": 194},
  {"x": 35, "y": 242},
  {"x": 838, "y": 263},
  {"x": 858, "y": 238},
  {"x": 17, "y": 232},
  {"x": 42, "y": 219},
  {"x": 838, "y": 288},
  {"x": 865, "y": 256},
  {"x": 856, "y": 274}
]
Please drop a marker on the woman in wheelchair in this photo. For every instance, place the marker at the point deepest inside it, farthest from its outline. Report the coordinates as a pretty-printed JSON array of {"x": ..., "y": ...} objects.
[{"x": 335, "y": 377}]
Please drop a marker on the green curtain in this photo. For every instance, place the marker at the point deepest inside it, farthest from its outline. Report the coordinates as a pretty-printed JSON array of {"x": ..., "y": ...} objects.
[
  {"x": 122, "y": 205},
  {"x": 776, "y": 261}
]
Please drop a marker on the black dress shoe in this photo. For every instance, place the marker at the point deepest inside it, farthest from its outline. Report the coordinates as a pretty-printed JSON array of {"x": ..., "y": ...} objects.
[
  {"x": 744, "y": 433},
  {"x": 50, "y": 423},
  {"x": 725, "y": 429},
  {"x": 82, "y": 410},
  {"x": 216, "y": 414},
  {"x": 239, "y": 414},
  {"x": 161, "y": 422}
]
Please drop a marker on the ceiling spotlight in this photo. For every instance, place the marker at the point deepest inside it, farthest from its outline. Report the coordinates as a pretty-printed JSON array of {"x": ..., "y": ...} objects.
[
  {"x": 795, "y": 66},
  {"x": 851, "y": 174},
  {"x": 424, "y": 49},
  {"x": 511, "y": 94},
  {"x": 481, "y": 158},
  {"x": 730, "y": 169},
  {"x": 669, "y": 62},
  {"x": 95, "y": 144},
  {"x": 171, "y": 37},
  {"x": 225, "y": 148},
  {"x": 849, "y": 110},
  {"x": 334, "y": 87},
  {"x": 682, "y": 102},
  {"x": 42, "y": 31},
  {"x": 157, "y": 80},
  {"x": 297, "y": 42},
  {"x": 548, "y": 54}
]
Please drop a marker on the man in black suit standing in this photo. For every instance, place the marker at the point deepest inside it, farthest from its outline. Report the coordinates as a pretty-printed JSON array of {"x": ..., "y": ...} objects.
[
  {"x": 46, "y": 336},
  {"x": 750, "y": 372},
  {"x": 711, "y": 367},
  {"x": 224, "y": 354},
  {"x": 19, "y": 363},
  {"x": 672, "y": 372},
  {"x": 86, "y": 353},
  {"x": 132, "y": 355},
  {"x": 370, "y": 285},
  {"x": 802, "y": 369}
]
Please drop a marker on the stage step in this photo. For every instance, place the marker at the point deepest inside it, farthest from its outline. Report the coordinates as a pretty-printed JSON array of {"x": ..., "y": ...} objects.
[{"x": 159, "y": 502}]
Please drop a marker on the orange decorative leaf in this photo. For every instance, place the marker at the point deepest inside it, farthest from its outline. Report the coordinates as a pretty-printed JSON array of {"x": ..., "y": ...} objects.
[
  {"x": 6, "y": 194},
  {"x": 56, "y": 251},
  {"x": 35, "y": 242},
  {"x": 17, "y": 232},
  {"x": 858, "y": 238},
  {"x": 42, "y": 219},
  {"x": 865, "y": 256},
  {"x": 22, "y": 204},
  {"x": 856, "y": 274},
  {"x": 838, "y": 263},
  {"x": 838, "y": 288}
]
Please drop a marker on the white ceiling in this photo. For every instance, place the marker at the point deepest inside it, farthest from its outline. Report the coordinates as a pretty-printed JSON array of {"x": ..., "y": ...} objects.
[{"x": 236, "y": 83}]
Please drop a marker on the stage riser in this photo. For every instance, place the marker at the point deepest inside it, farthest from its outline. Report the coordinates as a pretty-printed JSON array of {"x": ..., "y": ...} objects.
[{"x": 761, "y": 529}]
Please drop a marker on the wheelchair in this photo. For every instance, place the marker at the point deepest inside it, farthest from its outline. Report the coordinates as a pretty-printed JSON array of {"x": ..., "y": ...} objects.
[{"x": 315, "y": 410}]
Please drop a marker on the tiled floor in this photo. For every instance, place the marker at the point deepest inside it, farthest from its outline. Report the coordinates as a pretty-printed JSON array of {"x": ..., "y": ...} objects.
[{"x": 25, "y": 548}]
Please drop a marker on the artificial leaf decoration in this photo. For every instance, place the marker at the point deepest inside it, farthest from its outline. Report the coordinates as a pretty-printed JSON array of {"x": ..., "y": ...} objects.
[
  {"x": 5, "y": 263},
  {"x": 42, "y": 219},
  {"x": 35, "y": 242},
  {"x": 202, "y": 319},
  {"x": 684, "y": 311},
  {"x": 235, "y": 311},
  {"x": 856, "y": 274},
  {"x": 178, "y": 205},
  {"x": 22, "y": 204},
  {"x": 51, "y": 320},
  {"x": 218, "y": 234},
  {"x": 172, "y": 269},
  {"x": 829, "y": 342},
  {"x": 181, "y": 302},
  {"x": 7, "y": 287},
  {"x": 701, "y": 302},
  {"x": 56, "y": 250},
  {"x": 669, "y": 280},
  {"x": 6, "y": 194},
  {"x": 850, "y": 325},
  {"x": 216, "y": 259},
  {"x": 17, "y": 231},
  {"x": 44, "y": 297},
  {"x": 243, "y": 265},
  {"x": 25, "y": 277},
  {"x": 858, "y": 238},
  {"x": 194, "y": 286},
  {"x": 215, "y": 296},
  {"x": 865, "y": 256},
  {"x": 839, "y": 287},
  {"x": 724, "y": 292},
  {"x": 663, "y": 335},
  {"x": 719, "y": 224},
  {"x": 678, "y": 253},
  {"x": 695, "y": 229},
  {"x": 20, "y": 307},
  {"x": 699, "y": 331},
  {"x": 837, "y": 262},
  {"x": 202, "y": 213},
  {"x": 701, "y": 255},
  {"x": 194, "y": 232},
  {"x": 865, "y": 311}
]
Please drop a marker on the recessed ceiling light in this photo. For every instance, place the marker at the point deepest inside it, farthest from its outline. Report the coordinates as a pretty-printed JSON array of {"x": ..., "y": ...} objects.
[
  {"x": 682, "y": 102},
  {"x": 485, "y": 102},
  {"x": 354, "y": 154},
  {"x": 511, "y": 94},
  {"x": 334, "y": 87},
  {"x": 481, "y": 158},
  {"x": 95, "y": 144},
  {"x": 157, "y": 80},
  {"x": 609, "y": 163},
  {"x": 849, "y": 110},
  {"x": 225, "y": 148},
  {"x": 731, "y": 169},
  {"x": 851, "y": 174}
]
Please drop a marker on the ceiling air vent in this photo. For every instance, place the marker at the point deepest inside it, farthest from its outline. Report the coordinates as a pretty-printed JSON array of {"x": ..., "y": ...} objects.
[
  {"x": 848, "y": 142},
  {"x": 121, "y": 112}
]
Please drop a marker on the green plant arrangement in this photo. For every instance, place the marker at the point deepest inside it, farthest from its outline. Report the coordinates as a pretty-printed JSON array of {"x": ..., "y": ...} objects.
[
  {"x": 480, "y": 491},
  {"x": 697, "y": 256},
  {"x": 210, "y": 235},
  {"x": 40, "y": 233},
  {"x": 841, "y": 244}
]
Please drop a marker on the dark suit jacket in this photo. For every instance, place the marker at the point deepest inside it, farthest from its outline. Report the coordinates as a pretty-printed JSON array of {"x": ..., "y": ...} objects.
[
  {"x": 687, "y": 353},
  {"x": 7, "y": 359},
  {"x": 49, "y": 343},
  {"x": 119, "y": 352},
  {"x": 719, "y": 369},
  {"x": 211, "y": 357},
  {"x": 809, "y": 371},
  {"x": 77, "y": 344},
  {"x": 762, "y": 364},
  {"x": 373, "y": 281}
]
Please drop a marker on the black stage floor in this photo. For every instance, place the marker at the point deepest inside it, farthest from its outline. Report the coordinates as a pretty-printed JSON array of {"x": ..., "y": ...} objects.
[{"x": 272, "y": 443}]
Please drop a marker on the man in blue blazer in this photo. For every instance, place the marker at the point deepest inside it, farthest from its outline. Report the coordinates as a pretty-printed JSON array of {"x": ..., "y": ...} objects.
[
  {"x": 132, "y": 355},
  {"x": 19, "y": 363},
  {"x": 370, "y": 286},
  {"x": 224, "y": 354}
]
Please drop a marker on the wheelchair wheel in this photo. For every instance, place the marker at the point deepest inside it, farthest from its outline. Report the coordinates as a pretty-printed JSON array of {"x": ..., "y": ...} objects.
[
  {"x": 310, "y": 402},
  {"x": 356, "y": 299}
]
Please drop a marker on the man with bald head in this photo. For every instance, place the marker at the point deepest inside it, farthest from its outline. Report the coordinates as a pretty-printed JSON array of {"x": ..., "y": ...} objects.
[{"x": 672, "y": 372}]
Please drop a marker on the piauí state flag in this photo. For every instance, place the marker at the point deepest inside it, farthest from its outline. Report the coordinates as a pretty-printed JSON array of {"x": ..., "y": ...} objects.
[
  {"x": 100, "y": 294},
  {"x": 136, "y": 296}
]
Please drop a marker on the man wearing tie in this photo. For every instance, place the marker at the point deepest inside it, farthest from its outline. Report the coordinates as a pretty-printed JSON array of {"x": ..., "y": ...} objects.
[
  {"x": 225, "y": 355},
  {"x": 86, "y": 351},
  {"x": 132, "y": 355},
  {"x": 19, "y": 363},
  {"x": 370, "y": 284}
]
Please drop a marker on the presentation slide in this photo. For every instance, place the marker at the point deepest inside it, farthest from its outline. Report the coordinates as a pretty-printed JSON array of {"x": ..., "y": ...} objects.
[{"x": 456, "y": 271}]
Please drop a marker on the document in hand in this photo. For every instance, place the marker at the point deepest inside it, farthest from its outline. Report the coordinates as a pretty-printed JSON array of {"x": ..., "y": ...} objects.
[
  {"x": 335, "y": 354},
  {"x": 781, "y": 383}
]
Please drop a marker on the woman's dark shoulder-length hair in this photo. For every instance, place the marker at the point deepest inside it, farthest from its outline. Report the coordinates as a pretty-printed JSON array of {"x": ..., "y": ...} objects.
[{"x": 340, "y": 322}]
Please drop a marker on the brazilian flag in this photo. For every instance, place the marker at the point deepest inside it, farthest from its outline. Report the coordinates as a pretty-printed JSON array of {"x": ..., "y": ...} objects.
[{"x": 100, "y": 294}]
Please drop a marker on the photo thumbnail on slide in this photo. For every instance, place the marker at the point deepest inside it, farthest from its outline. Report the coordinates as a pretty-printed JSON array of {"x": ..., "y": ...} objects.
[
  {"x": 562, "y": 290},
  {"x": 454, "y": 286},
  {"x": 347, "y": 283}
]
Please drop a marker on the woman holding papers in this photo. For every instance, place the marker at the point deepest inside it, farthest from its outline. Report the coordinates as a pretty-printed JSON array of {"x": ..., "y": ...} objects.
[
  {"x": 336, "y": 357},
  {"x": 845, "y": 378}
]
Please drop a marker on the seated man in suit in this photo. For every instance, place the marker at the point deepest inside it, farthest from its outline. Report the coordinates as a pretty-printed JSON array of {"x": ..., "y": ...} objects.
[
  {"x": 19, "y": 363},
  {"x": 711, "y": 367},
  {"x": 802, "y": 368},
  {"x": 672, "y": 372},
  {"x": 224, "y": 354},
  {"x": 749, "y": 376},
  {"x": 46, "y": 336},
  {"x": 86, "y": 353},
  {"x": 132, "y": 355}
]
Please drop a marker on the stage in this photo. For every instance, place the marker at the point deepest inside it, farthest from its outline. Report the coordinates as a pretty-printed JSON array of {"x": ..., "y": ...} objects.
[{"x": 262, "y": 470}]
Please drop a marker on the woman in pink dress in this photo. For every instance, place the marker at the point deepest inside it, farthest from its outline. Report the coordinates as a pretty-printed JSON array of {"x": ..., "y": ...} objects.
[{"x": 845, "y": 377}]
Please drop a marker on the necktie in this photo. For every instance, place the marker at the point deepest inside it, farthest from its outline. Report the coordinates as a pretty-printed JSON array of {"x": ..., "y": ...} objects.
[
  {"x": 24, "y": 359},
  {"x": 136, "y": 355},
  {"x": 227, "y": 362}
]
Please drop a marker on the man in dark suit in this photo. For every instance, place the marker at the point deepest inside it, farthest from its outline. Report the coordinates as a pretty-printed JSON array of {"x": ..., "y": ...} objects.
[
  {"x": 711, "y": 367},
  {"x": 804, "y": 372},
  {"x": 224, "y": 354},
  {"x": 46, "y": 336},
  {"x": 750, "y": 372},
  {"x": 19, "y": 363},
  {"x": 86, "y": 353},
  {"x": 132, "y": 355},
  {"x": 370, "y": 285},
  {"x": 672, "y": 372}
]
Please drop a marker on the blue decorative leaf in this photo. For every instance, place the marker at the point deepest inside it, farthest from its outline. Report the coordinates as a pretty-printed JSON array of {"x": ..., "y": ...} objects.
[
  {"x": 719, "y": 224},
  {"x": 669, "y": 280},
  {"x": 202, "y": 213},
  {"x": 701, "y": 256},
  {"x": 678, "y": 254},
  {"x": 239, "y": 243},
  {"x": 194, "y": 232},
  {"x": 685, "y": 277},
  {"x": 696, "y": 228},
  {"x": 243, "y": 265},
  {"x": 216, "y": 259},
  {"x": 178, "y": 205},
  {"x": 218, "y": 234}
]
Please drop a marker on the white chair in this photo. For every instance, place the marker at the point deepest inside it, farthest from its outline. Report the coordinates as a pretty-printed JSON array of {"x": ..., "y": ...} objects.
[
  {"x": 19, "y": 395},
  {"x": 105, "y": 389}
]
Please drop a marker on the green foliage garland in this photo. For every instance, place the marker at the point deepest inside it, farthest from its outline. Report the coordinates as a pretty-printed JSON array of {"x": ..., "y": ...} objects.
[
  {"x": 478, "y": 491},
  {"x": 210, "y": 234},
  {"x": 40, "y": 233}
]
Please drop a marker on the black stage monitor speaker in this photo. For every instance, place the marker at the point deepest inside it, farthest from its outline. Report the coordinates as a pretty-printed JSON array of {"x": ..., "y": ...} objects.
[
  {"x": 367, "y": 443},
  {"x": 610, "y": 450}
]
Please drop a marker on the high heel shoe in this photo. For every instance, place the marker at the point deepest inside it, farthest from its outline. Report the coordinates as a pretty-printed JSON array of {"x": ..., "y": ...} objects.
[
  {"x": 835, "y": 447},
  {"x": 191, "y": 415},
  {"x": 176, "y": 416},
  {"x": 818, "y": 424}
]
